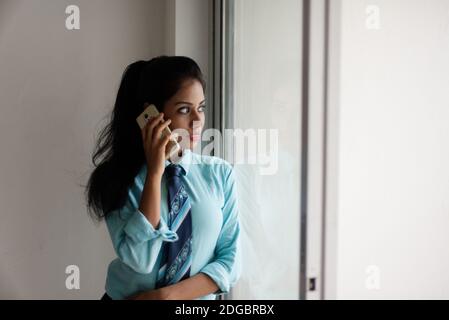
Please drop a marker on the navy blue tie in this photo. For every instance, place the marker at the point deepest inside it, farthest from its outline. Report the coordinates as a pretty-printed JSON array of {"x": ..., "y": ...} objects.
[{"x": 177, "y": 256}]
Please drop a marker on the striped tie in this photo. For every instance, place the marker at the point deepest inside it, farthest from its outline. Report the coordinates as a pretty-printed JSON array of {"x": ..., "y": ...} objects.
[{"x": 177, "y": 256}]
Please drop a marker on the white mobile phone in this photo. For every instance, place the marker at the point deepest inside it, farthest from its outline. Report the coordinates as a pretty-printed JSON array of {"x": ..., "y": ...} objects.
[{"x": 151, "y": 111}]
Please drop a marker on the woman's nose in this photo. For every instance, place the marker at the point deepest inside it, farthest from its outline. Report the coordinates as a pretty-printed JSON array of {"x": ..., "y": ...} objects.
[{"x": 196, "y": 118}]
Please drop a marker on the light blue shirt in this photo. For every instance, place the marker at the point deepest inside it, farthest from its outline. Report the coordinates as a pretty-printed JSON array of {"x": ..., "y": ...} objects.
[{"x": 210, "y": 183}]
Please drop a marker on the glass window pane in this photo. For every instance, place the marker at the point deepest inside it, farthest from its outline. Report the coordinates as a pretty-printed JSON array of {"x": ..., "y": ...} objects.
[{"x": 267, "y": 82}]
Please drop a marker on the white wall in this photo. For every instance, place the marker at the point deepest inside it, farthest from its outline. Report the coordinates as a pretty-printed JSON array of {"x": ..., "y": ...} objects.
[
  {"x": 188, "y": 29},
  {"x": 392, "y": 211},
  {"x": 55, "y": 88},
  {"x": 191, "y": 26}
]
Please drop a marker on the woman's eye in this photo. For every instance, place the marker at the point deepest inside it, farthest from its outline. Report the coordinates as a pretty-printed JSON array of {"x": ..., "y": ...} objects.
[{"x": 183, "y": 110}]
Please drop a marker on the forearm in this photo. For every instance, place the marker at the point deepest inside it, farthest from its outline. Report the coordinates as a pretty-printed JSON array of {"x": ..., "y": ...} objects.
[
  {"x": 191, "y": 288},
  {"x": 150, "y": 202}
]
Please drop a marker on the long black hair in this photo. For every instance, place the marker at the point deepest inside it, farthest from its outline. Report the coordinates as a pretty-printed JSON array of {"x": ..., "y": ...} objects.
[{"x": 119, "y": 153}]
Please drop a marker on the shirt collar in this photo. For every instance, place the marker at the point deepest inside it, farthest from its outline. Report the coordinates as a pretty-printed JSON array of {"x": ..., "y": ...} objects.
[{"x": 184, "y": 161}]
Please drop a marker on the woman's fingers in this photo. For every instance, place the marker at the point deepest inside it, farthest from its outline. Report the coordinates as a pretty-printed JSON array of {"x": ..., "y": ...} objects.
[
  {"x": 150, "y": 126},
  {"x": 157, "y": 131},
  {"x": 154, "y": 137},
  {"x": 164, "y": 141}
]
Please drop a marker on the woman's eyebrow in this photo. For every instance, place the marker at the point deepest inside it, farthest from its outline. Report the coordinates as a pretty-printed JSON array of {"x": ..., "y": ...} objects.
[{"x": 185, "y": 102}]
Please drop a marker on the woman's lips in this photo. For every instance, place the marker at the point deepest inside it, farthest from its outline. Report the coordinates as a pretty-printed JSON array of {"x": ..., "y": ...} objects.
[{"x": 195, "y": 134}]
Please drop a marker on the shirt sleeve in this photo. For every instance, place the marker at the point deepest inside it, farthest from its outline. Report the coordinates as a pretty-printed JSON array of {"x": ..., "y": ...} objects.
[
  {"x": 136, "y": 242},
  {"x": 225, "y": 269}
]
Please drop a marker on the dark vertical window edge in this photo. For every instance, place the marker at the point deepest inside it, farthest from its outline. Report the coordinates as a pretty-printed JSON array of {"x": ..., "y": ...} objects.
[
  {"x": 325, "y": 125},
  {"x": 304, "y": 149}
]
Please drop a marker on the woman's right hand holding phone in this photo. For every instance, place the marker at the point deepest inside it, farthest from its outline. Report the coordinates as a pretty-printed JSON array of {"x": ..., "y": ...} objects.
[{"x": 154, "y": 144}]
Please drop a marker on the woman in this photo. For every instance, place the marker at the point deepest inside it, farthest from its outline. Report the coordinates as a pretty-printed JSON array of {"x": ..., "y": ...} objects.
[{"x": 174, "y": 226}]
